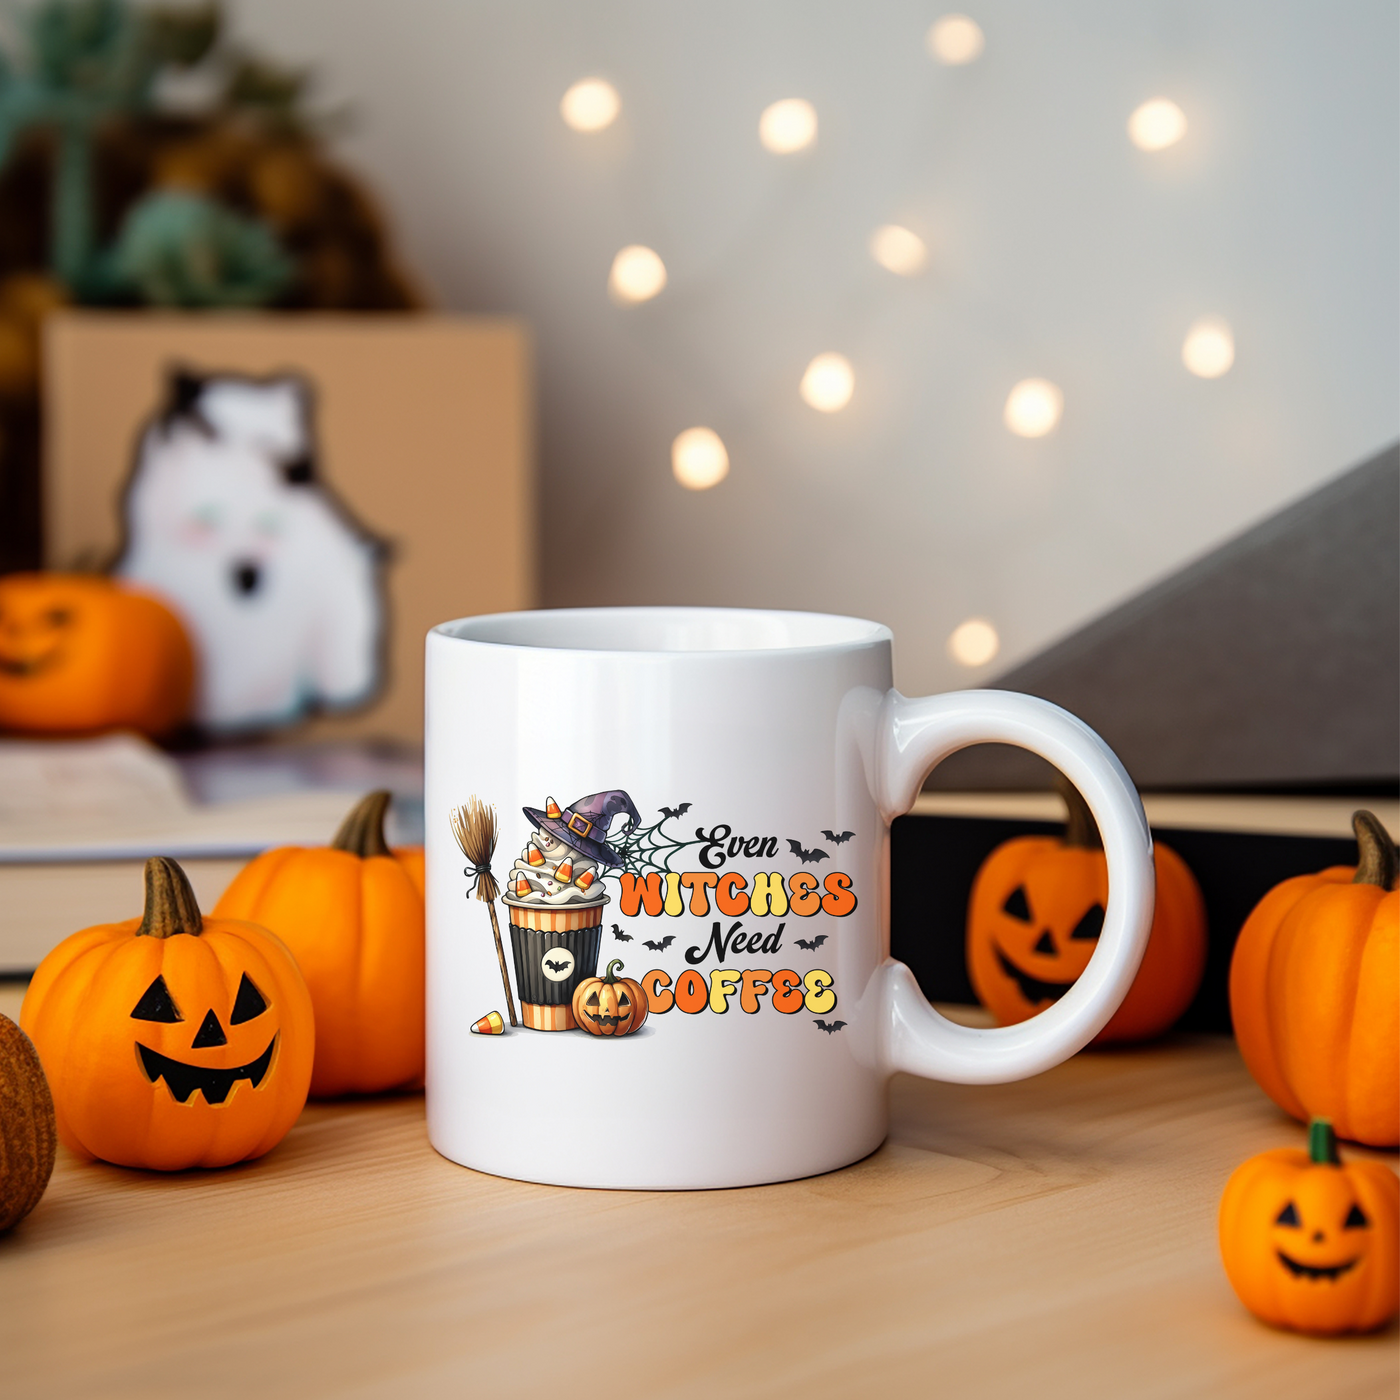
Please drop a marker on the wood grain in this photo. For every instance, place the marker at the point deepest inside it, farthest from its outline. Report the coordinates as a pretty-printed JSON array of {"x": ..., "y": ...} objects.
[{"x": 1045, "y": 1239}]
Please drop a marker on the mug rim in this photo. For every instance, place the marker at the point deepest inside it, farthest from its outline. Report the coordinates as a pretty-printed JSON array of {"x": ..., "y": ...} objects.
[{"x": 848, "y": 633}]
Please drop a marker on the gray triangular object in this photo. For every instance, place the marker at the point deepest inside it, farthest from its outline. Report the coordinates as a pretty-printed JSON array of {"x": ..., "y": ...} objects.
[{"x": 1272, "y": 663}]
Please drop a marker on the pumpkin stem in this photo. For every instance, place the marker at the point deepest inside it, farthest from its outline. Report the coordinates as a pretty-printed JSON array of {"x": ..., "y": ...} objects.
[
  {"x": 1081, "y": 830},
  {"x": 610, "y": 975},
  {"x": 1378, "y": 863},
  {"x": 362, "y": 832},
  {"x": 171, "y": 907},
  {"x": 1322, "y": 1143}
]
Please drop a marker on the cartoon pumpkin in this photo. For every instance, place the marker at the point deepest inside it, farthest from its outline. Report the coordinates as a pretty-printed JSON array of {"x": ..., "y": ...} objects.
[
  {"x": 172, "y": 1041},
  {"x": 81, "y": 653},
  {"x": 1314, "y": 995},
  {"x": 352, "y": 914},
  {"x": 1034, "y": 919},
  {"x": 1310, "y": 1244},
  {"x": 610, "y": 1005}
]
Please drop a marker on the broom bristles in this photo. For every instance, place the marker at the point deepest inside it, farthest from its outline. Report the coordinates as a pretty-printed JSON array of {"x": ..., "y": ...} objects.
[{"x": 474, "y": 826}]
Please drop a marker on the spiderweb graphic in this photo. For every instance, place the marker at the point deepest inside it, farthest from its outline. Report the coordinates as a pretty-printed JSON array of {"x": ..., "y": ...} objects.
[{"x": 651, "y": 848}]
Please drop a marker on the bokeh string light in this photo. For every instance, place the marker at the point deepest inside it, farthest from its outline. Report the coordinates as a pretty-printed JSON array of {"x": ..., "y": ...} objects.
[
  {"x": 955, "y": 40},
  {"x": 828, "y": 383},
  {"x": 637, "y": 274},
  {"x": 1209, "y": 348},
  {"x": 590, "y": 105},
  {"x": 699, "y": 459},
  {"x": 974, "y": 642},
  {"x": 1033, "y": 408},
  {"x": 788, "y": 126},
  {"x": 1156, "y": 125},
  {"x": 898, "y": 249}
]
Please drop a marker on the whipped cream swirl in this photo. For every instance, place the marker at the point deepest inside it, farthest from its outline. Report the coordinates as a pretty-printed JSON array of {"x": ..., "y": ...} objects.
[{"x": 546, "y": 885}]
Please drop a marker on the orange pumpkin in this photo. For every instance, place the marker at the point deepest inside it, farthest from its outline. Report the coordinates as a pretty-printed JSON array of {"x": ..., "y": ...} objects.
[
  {"x": 1034, "y": 918},
  {"x": 610, "y": 1005},
  {"x": 352, "y": 913},
  {"x": 1310, "y": 1244},
  {"x": 1314, "y": 993},
  {"x": 172, "y": 1040},
  {"x": 81, "y": 653}
]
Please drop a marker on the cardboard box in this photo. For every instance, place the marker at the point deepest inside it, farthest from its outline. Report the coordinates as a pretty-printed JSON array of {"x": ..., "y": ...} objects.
[{"x": 425, "y": 427}]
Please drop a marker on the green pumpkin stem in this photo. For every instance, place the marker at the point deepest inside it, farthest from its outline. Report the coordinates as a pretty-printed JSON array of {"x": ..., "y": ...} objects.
[
  {"x": 1322, "y": 1143},
  {"x": 171, "y": 907},
  {"x": 1081, "y": 830},
  {"x": 610, "y": 976},
  {"x": 1378, "y": 863},
  {"x": 362, "y": 832}
]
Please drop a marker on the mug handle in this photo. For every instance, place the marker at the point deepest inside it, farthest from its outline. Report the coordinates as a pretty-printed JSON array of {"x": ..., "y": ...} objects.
[{"x": 915, "y": 735}]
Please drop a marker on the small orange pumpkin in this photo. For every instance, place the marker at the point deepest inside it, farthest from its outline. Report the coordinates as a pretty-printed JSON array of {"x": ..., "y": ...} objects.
[
  {"x": 352, "y": 913},
  {"x": 82, "y": 653},
  {"x": 1314, "y": 994},
  {"x": 27, "y": 1132},
  {"x": 610, "y": 1005},
  {"x": 172, "y": 1040},
  {"x": 1034, "y": 918},
  {"x": 1310, "y": 1244}
]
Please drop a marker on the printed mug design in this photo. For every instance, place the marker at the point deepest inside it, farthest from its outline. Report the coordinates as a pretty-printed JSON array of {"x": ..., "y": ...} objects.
[{"x": 574, "y": 864}]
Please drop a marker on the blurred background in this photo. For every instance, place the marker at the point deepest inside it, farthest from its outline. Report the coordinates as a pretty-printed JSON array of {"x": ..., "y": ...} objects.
[
  {"x": 1061, "y": 338},
  {"x": 1054, "y": 248}
]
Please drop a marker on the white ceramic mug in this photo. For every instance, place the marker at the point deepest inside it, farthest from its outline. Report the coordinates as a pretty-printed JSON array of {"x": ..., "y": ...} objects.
[{"x": 705, "y": 796}]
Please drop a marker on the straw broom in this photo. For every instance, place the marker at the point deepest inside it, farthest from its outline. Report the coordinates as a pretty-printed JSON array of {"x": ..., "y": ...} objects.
[{"x": 474, "y": 826}]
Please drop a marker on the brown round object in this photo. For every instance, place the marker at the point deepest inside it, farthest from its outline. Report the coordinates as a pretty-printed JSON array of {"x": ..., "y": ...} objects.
[
  {"x": 27, "y": 1129},
  {"x": 287, "y": 185},
  {"x": 204, "y": 163},
  {"x": 30, "y": 296},
  {"x": 329, "y": 276},
  {"x": 19, "y": 357}
]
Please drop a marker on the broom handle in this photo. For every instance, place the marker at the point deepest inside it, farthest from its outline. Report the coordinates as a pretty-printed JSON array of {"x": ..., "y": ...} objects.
[{"x": 501, "y": 957}]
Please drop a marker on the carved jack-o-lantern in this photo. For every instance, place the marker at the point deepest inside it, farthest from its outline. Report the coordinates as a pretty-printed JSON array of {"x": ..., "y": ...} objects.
[
  {"x": 1311, "y": 1244},
  {"x": 1034, "y": 919},
  {"x": 610, "y": 1005},
  {"x": 172, "y": 1041},
  {"x": 79, "y": 654}
]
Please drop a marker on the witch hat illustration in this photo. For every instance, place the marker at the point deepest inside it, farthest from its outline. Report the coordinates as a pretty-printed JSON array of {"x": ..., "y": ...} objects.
[{"x": 584, "y": 824}]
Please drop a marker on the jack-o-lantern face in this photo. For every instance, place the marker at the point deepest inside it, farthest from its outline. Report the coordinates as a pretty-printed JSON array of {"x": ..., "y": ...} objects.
[
  {"x": 1042, "y": 946},
  {"x": 172, "y": 1041},
  {"x": 1311, "y": 1244},
  {"x": 82, "y": 653},
  {"x": 1321, "y": 1232},
  {"x": 208, "y": 1075},
  {"x": 1035, "y": 915},
  {"x": 610, "y": 1005},
  {"x": 32, "y": 638}
]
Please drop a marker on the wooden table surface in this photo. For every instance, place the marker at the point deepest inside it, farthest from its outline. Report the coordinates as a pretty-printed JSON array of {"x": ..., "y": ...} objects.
[{"x": 1045, "y": 1239}]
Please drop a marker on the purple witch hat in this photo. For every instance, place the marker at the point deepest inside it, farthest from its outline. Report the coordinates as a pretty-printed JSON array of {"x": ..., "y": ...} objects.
[{"x": 584, "y": 824}]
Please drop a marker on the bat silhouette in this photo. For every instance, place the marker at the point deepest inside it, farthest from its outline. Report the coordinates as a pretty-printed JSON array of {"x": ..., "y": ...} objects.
[
  {"x": 814, "y": 944},
  {"x": 798, "y": 849},
  {"x": 835, "y": 839},
  {"x": 676, "y": 811},
  {"x": 556, "y": 966},
  {"x": 620, "y": 936},
  {"x": 662, "y": 945},
  {"x": 829, "y": 1026}
]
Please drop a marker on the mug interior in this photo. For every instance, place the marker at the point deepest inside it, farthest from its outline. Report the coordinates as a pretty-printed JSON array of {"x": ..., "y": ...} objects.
[{"x": 666, "y": 630}]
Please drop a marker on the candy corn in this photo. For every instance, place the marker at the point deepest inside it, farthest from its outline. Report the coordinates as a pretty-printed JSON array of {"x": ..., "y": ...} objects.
[
  {"x": 584, "y": 880},
  {"x": 490, "y": 1024},
  {"x": 564, "y": 871},
  {"x": 551, "y": 808},
  {"x": 522, "y": 887},
  {"x": 536, "y": 856}
]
